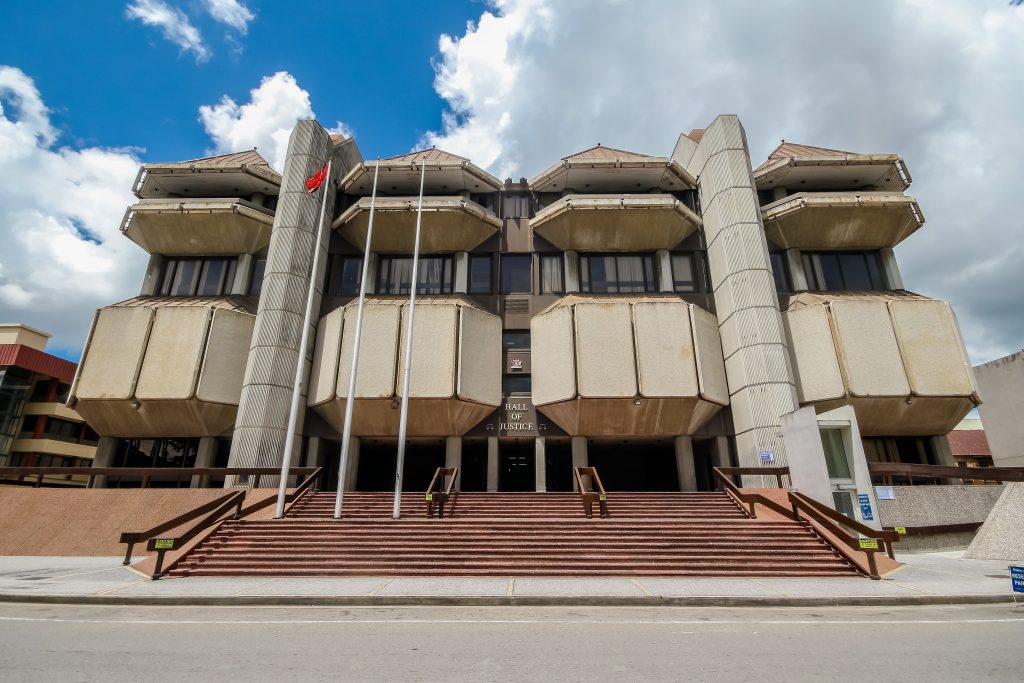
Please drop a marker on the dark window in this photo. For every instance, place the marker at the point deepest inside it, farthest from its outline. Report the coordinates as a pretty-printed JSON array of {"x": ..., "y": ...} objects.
[
  {"x": 516, "y": 273},
  {"x": 346, "y": 274},
  {"x": 515, "y": 206},
  {"x": 435, "y": 275},
  {"x": 156, "y": 453},
  {"x": 617, "y": 274},
  {"x": 515, "y": 384},
  {"x": 844, "y": 271},
  {"x": 259, "y": 268},
  {"x": 62, "y": 430},
  {"x": 552, "y": 280},
  {"x": 780, "y": 272},
  {"x": 197, "y": 277},
  {"x": 480, "y": 274},
  {"x": 684, "y": 273},
  {"x": 515, "y": 340},
  {"x": 41, "y": 391}
]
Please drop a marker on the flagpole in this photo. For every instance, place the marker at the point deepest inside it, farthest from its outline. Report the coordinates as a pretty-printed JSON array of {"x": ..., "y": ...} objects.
[
  {"x": 346, "y": 434},
  {"x": 403, "y": 423},
  {"x": 300, "y": 363}
]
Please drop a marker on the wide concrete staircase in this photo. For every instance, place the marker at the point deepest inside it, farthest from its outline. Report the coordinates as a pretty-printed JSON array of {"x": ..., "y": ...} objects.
[{"x": 516, "y": 534}]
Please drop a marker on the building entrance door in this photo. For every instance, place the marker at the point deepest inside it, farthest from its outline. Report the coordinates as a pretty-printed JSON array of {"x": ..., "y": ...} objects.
[
  {"x": 840, "y": 474},
  {"x": 516, "y": 458},
  {"x": 634, "y": 465}
]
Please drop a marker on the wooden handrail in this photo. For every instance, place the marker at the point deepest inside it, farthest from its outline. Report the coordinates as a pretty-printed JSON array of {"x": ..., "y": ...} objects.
[
  {"x": 596, "y": 494},
  {"x": 834, "y": 522},
  {"x": 887, "y": 470},
  {"x": 748, "y": 498},
  {"x": 147, "y": 473},
  {"x": 289, "y": 498},
  {"x": 777, "y": 472},
  {"x": 440, "y": 497},
  {"x": 216, "y": 508},
  {"x": 302, "y": 489}
]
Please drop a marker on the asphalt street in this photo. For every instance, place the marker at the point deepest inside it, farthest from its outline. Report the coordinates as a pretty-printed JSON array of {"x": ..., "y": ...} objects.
[{"x": 88, "y": 643}]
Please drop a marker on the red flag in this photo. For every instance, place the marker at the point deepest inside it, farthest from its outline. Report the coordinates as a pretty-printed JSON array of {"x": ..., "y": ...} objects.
[{"x": 316, "y": 180}]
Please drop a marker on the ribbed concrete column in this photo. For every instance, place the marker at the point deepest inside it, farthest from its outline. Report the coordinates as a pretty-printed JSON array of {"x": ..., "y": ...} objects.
[
  {"x": 892, "y": 269},
  {"x": 492, "y": 463},
  {"x": 579, "y": 456},
  {"x": 243, "y": 273},
  {"x": 461, "y": 283},
  {"x": 663, "y": 264},
  {"x": 453, "y": 457},
  {"x": 206, "y": 455},
  {"x": 572, "y": 271},
  {"x": 540, "y": 465},
  {"x": 685, "y": 467},
  {"x": 273, "y": 353},
  {"x": 761, "y": 383},
  {"x": 106, "y": 448},
  {"x": 797, "y": 276},
  {"x": 151, "y": 281}
]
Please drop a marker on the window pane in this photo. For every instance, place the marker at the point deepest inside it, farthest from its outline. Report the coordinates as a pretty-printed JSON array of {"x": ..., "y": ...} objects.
[
  {"x": 836, "y": 462},
  {"x": 682, "y": 273},
  {"x": 780, "y": 272},
  {"x": 185, "y": 277},
  {"x": 855, "y": 272},
  {"x": 256, "y": 284},
  {"x": 480, "y": 274},
  {"x": 551, "y": 280},
  {"x": 212, "y": 277},
  {"x": 165, "y": 285},
  {"x": 435, "y": 275},
  {"x": 516, "y": 273},
  {"x": 515, "y": 340},
  {"x": 831, "y": 274},
  {"x": 515, "y": 384},
  {"x": 346, "y": 273},
  {"x": 875, "y": 270}
]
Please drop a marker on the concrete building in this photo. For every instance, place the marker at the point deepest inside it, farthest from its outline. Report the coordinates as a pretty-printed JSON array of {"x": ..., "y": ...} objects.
[
  {"x": 1001, "y": 383},
  {"x": 653, "y": 316},
  {"x": 36, "y": 428}
]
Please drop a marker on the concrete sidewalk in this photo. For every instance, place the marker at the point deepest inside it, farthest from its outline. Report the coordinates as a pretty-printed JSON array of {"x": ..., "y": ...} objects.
[{"x": 928, "y": 578}]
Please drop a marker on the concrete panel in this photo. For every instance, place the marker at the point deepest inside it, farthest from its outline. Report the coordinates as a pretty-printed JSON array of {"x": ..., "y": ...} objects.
[
  {"x": 448, "y": 224},
  {"x": 554, "y": 368},
  {"x": 1001, "y": 385},
  {"x": 806, "y": 455},
  {"x": 378, "y": 352},
  {"x": 220, "y": 379},
  {"x": 323, "y": 378},
  {"x": 930, "y": 346},
  {"x": 1001, "y": 537},
  {"x": 708, "y": 353},
  {"x": 665, "y": 351},
  {"x": 813, "y": 353},
  {"x": 434, "y": 341},
  {"x": 199, "y": 227},
  {"x": 868, "y": 350},
  {"x": 479, "y": 357},
  {"x": 938, "y": 505},
  {"x": 842, "y": 220},
  {"x": 115, "y": 353},
  {"x": 605, "y": 361}
]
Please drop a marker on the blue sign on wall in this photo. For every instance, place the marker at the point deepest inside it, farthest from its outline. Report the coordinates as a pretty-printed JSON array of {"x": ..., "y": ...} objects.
[
  {"x": 865, "y": 506},
  {"x": 1017, "y": 578},
  {"x": 767, "y": 456}
]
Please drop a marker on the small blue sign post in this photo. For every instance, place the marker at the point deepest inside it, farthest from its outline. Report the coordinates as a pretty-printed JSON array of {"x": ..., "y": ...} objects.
[
  {"x": 865, "y": 506},
  {"x": 1017, "y": 578}
]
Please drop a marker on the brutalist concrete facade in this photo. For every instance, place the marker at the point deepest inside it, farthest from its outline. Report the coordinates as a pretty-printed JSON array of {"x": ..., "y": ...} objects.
[{"x": 653, "y": 316}]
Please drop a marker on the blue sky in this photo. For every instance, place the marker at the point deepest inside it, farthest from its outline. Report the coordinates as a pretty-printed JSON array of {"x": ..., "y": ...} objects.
[
  {"x": 112, "y": 81},
  {"x": 91, "y": 90}
]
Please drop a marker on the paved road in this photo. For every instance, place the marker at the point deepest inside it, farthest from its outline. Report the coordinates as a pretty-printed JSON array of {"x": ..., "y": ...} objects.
[{"x": 84, "y": 643}]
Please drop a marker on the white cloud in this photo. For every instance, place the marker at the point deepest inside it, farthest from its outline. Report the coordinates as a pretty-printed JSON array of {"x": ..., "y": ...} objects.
[
  {"x": 231, "y": 13},
  {"x": 938, "y": 81},
  {"x": 174, "y": 24},
  {"x": 63, "y": 255},
  {"x": 264, "y": 122}
]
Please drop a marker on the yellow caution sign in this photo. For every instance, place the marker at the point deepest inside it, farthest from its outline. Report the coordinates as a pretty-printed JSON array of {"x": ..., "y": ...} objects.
[
  {"x": 163, "y": 544},
  {"x": 868, "y": 544},
  {"x": 901, "y": 530}
]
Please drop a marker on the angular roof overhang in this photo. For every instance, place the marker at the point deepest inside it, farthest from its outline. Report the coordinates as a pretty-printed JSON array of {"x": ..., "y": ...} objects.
[
  {"x": 401, "y": 175},
  {"x": 626, "y": 222},
  {"x": 198, "y": 227},
  {"x": 614, "y": 174},
  {"x": 193, "y": 179},
  {"x": 841, "y": 220},
  {"x": 449, "y": 224},
  {"x": 834, "y": 172}
]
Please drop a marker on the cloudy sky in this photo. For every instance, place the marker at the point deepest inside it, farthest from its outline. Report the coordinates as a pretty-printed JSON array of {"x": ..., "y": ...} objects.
[{"x": 88, "y": 91}]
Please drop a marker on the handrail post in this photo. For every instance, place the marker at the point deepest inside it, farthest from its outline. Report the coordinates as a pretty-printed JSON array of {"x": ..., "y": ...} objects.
[
  {"x": 872, "y": 565},
  {"x": 128, "y": 553},
  {"x": 159, "y": 564}
]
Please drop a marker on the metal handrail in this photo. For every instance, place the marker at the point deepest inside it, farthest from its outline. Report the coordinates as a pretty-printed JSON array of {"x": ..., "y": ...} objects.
[
  {"x": 147, "y": 473},
  {"x": 887, "y": 470},
  {"x": 588, "y": 498},
  {"x": 440, "y": 497}
]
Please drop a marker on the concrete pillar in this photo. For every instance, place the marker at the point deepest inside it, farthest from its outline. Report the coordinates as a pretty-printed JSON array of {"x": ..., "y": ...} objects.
[
  {"x": 263, "y": 407},
  {"x": 243, "y": 274},
  {"x": 663, "y": 266},
  {"x": 891, "y": 269},
  {"x": 720, "y": 452},
  {"x": 154, "y": 271},
  {"x": 943, "y": 453},
  {"x": 353, "y": 464},
  {"x": 579, "y": 456},
  {"x": 572, "y": 271},
  {"x": 461, "y": 283},
  {"x": 106, "y": 448},
  {"x": 315, "y": 454},
  {"x": 206, "y": 456},
  {"x": 684, "y": 464},
  {"x": 540, "y": 465},
  {"x": 761, "y": 384},
  {"x": 453, "y": 457},
  {"x": 797, "y": 276},
  {"x": 492, "y": 463}
]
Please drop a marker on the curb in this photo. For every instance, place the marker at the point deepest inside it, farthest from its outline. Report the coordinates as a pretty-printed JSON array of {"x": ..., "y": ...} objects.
[{"x": 502, "y": 601}]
